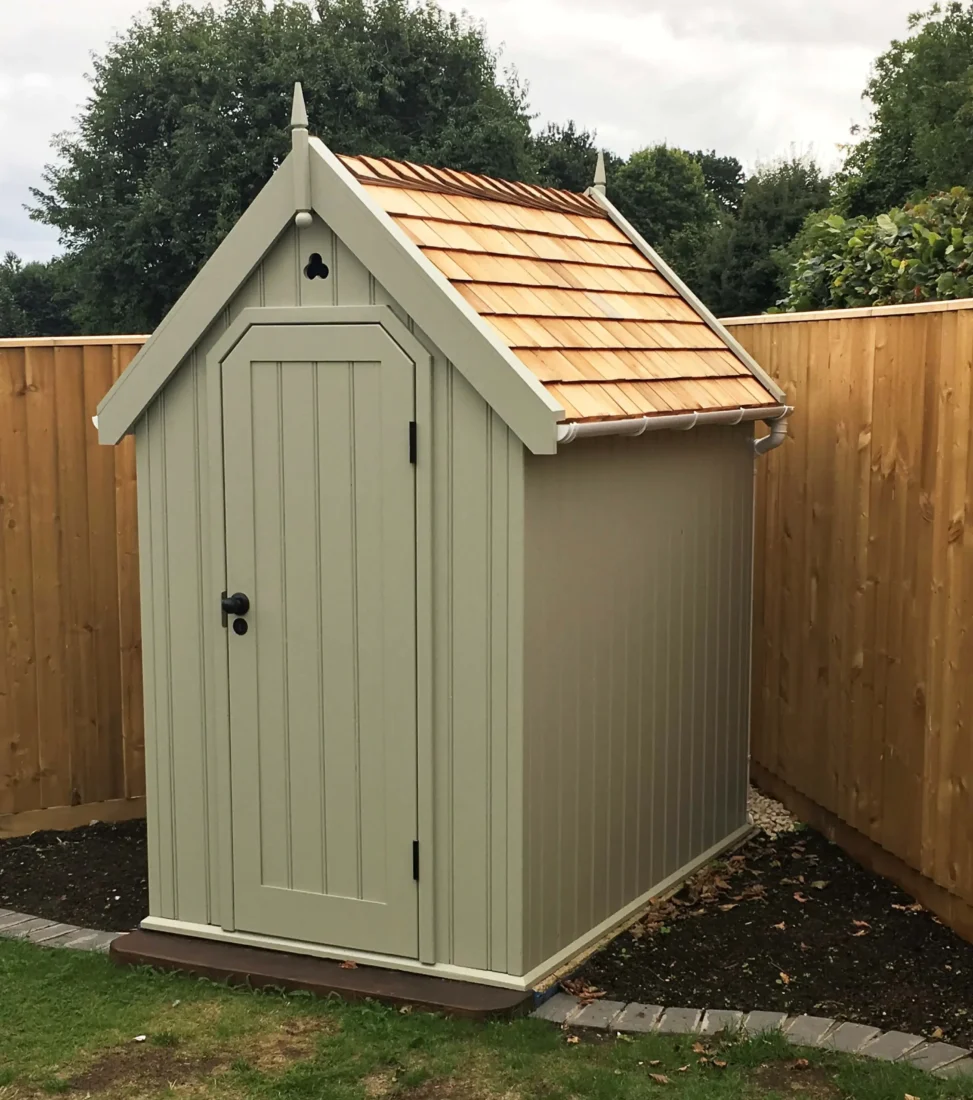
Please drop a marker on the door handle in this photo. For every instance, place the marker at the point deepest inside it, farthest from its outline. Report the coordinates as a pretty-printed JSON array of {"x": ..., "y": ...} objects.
[{"x": 237, "y": 604}]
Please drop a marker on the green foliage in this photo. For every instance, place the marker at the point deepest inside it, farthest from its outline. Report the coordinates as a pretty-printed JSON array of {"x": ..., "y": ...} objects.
[
  {"x": 918, "y": 140},
  {"x": 920, "y": 252},
  {"x": 189, "y": 114},
  {"x": 741, "y": 270},
  {"x": 36, "y": 299},
  {"x": 724, "y": 177},
  {"x": 663, "y": 193}
]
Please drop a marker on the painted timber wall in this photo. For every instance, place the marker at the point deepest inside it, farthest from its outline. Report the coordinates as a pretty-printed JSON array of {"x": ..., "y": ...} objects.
[
  {"x": 477, "y": 870},
  {"x": 637, "y": 664}
]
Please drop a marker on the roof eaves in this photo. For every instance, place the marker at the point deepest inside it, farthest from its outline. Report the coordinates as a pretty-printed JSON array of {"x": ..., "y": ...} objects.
[{"x": 688, "y": 296}]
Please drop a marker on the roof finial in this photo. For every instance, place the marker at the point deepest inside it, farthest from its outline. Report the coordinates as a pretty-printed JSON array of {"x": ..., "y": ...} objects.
[
  {"x": 298, "y": 110},
  {"x": 302, "y": 166},
  {"x": 601, "y": 179}
]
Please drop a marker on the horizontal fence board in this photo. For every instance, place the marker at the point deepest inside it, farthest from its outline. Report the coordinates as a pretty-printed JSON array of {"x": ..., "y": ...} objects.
[
  {"x": 863, "y": 653},
  {"x": 71, "y": 719}
]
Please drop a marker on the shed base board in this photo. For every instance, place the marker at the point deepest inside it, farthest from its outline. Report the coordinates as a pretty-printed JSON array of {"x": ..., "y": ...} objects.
[
  {"x": 565, "y": 959},
  {"x": 258, "y": 969}
]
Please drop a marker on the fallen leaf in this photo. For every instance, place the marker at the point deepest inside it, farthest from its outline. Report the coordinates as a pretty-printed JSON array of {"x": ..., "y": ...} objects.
[
  {"x": 909, "y": 1096},
  {"x": 140, "y": 1038},
  {"x": 655, "y": 1061},
  {"x": 348, "y": 965},
  {"x": 937, "y": 1033},
  {"x": 780, "y": 927},
  {"x": 659, "y": 1078},
  {"x": 915, "y": 907},
  {"x": 820, "y": 884},
  {"x": 718, "y": 1062},
  {"x": 703, "y": 1061},
  {"x": 698, "y": 1048},
  {"x": 573, "y": 1039},
  {"x": 863, "y": 932},
  {"x": 728, "y": 907},
  {"x": 861, "y": 924},
  {"x": 682, "y": 1069},
  {"x": 801, "y": 1063},
  {"x": 785, "y": 978},
  {"x": 804, "y": 946},
  {"x": 801, "y": 898},
  {"x": 405, "y": 1010}
]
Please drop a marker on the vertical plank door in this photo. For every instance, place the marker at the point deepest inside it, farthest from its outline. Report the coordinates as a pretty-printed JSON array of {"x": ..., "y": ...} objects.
[{"x": 320, "y": 536}]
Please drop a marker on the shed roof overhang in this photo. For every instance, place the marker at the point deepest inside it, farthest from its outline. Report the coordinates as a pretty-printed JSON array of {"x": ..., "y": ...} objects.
[{"x": 517, "y": 397}]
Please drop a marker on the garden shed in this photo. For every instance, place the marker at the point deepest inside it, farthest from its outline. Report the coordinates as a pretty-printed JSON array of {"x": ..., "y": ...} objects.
[{"x": 445, "y": 497}]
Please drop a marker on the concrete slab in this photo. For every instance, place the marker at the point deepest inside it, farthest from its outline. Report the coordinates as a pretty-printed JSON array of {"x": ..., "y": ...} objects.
[
  {"x": 638, "y": 1019},
  {"x": 891, "y": 1046},
  {"x": 10, "y": 920},
  {"x": 850, "y": 1038},
  {"x": 808, "y": 1031},
  {"x": 963, "y": 1068},
  {"x": 52, "y": 934},
  {"x": 721, "y": 1019},
  {"x": 23, "y": 931},
  {"x": 81, "y": 940},
  {"x": 935, "y": 1056},
  {"x": 557, "y": 1009},
  {"x": 756, "y": 1023},
  {"x": 680, "y": 1021},
  {"x": 598, "y": 1014}
]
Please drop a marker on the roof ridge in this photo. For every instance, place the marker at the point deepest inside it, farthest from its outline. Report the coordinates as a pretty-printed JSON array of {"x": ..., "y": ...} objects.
[{"x": 450, "y": 181}]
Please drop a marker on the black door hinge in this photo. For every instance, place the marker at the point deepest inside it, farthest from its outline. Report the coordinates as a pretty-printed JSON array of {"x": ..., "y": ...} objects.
[
  {"x": 412, "y": 442},
  {"x": 415, "y": 860}
]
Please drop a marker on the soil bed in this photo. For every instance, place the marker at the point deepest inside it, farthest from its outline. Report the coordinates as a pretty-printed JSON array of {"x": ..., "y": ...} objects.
[
  {"x": 94, "y": 877},
  {"x": 794, "y": 925}
]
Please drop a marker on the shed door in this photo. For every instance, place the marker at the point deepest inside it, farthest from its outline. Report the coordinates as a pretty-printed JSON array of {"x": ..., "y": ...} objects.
[{"x": 320, "y": 535}]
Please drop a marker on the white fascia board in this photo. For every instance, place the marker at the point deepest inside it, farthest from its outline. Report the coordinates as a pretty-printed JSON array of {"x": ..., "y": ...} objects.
[
  {"x": 220, "y": 278},
  {"x": 463, "y": 336},
  {"x": 706, "y": 315}
]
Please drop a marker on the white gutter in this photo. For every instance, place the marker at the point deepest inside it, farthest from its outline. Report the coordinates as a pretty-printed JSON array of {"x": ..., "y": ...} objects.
[{"x": 775, "y": 418}]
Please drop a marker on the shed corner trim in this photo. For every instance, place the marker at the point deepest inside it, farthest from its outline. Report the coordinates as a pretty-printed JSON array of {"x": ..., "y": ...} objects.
[{"x": 705, "y": 313}]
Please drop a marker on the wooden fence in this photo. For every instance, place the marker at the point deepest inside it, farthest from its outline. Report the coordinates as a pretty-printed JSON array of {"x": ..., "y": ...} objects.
[
  {"x": 70, "y": 682},
  {"x": 863, "y": 658}
]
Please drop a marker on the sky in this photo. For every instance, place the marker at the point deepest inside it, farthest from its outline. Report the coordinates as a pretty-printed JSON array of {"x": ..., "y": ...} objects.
[{"x": 751, "y": 78}]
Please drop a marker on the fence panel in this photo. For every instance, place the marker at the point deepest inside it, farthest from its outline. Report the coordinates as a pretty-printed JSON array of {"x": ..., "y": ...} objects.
[
  {"x": 71, "y": 731},
  {"x": 863, "y": 648}
]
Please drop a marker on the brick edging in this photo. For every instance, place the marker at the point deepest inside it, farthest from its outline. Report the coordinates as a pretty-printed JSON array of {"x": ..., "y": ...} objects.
[
  {"x": 50, "y": 933},
  {"x": 943, "y": 1059}
]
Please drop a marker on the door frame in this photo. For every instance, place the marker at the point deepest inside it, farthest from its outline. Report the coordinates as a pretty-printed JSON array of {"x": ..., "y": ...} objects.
[{"x": 218, "y": 655}]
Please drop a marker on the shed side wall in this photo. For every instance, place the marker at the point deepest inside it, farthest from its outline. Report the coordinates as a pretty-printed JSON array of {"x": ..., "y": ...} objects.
[
  {"x": 477, "y": 585},
  {"x": 637, "y": 659}
]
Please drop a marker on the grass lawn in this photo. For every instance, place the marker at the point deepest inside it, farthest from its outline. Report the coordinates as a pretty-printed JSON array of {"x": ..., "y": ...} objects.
[{"x": 69, "y": 1021}]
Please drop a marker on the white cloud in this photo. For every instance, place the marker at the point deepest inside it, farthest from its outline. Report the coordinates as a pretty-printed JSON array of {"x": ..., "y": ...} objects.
[{"x": 749, "y": 77}]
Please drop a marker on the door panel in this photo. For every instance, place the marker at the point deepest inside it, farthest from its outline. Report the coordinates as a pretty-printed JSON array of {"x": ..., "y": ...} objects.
[{"x": 320, "y": 534}]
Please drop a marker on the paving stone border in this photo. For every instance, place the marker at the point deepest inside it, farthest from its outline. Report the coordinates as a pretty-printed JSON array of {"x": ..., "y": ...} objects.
[
  {"x": 943, "y": 1059},
  {"x": 51, "y": 933}
]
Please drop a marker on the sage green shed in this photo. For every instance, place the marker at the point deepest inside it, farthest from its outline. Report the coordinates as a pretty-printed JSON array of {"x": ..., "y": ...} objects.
[{"x": 445, "y": 517}]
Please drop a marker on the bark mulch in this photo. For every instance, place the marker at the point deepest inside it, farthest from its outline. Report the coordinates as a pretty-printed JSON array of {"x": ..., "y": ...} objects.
[
  {"x": 94, "y": 877},
  {"x": 794, "y": 925}
]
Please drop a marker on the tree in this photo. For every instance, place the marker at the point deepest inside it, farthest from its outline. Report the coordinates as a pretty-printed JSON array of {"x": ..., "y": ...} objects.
[
  {"x": 725, "y": 179},
  {"x": 663, "y": 194},
  {"x": 188, "y": 117},
  {"x": 918, "y": 140},
  {"x": 916, "y": 253},
  {"x": 35, "y": 299},
  {"x": 565, "y": 157},
  {"x": 744, "y": 271}
]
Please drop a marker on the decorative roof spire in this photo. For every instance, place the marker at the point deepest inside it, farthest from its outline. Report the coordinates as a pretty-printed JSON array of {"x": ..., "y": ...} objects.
[
  {"x": 298, "y": 110},
  {"x": 601, "y": 179},
  {"x": 302, "y": 165}
]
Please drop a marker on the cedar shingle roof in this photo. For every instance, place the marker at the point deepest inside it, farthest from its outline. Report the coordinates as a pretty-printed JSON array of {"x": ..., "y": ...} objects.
[{"x": 570, "y": 294}]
